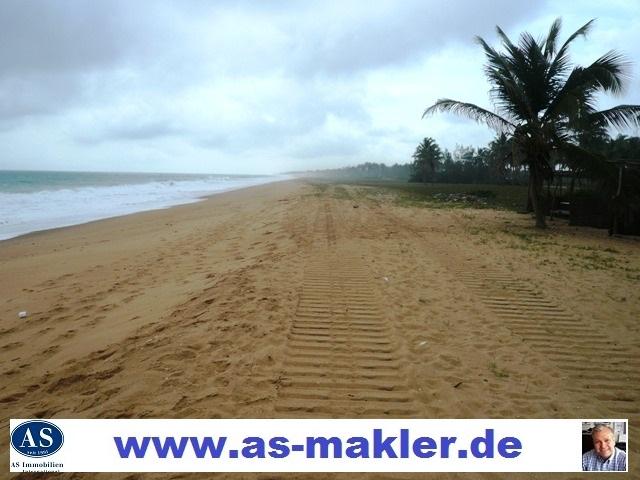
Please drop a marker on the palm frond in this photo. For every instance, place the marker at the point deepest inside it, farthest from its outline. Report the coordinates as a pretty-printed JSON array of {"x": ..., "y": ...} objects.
[
  {"x": 471, "y": 111},
  {"x": 622, "y": 116},
  {"x": 502, "y": 72},
  {"x": 513, "y": 50},
  {"x": 534, "y": 73},
  {"x": 496, "y": 60},
  {"x": 516, "y": 57},
  {"x": 578, "y": 92},
  {"x": 608, "y": 72},
  {"x": 570, "y": 99},
  {"x": 581, "y": 32},
  {"x": 552, "y": 38},
  {"x": 560, "y": 64}
]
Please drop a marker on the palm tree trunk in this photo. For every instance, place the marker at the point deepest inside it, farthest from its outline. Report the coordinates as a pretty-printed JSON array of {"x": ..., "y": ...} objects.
[
  {"x": 535, "y": 194},
  {"x": 529, "y": 206}
]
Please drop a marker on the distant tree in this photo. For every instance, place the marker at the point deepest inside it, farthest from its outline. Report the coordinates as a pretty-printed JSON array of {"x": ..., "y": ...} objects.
[
  {"x": 462, "y": 153},
  {"x": 452, "y": 171},
  {"x": 542, "y": 101},
  {"x": 426, "y": 161},
  {"x": 500, "y": 159}
]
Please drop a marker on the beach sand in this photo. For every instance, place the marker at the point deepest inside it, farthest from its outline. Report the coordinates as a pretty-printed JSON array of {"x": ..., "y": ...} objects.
[{"x": 295, "y": 300}]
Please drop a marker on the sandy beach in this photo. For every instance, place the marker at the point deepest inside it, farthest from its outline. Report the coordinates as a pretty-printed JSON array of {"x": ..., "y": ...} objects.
[{"x": 297, "y": 300}]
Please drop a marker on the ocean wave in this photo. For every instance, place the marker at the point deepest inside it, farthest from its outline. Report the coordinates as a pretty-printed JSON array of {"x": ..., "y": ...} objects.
[{"x": 22, "y": 213}]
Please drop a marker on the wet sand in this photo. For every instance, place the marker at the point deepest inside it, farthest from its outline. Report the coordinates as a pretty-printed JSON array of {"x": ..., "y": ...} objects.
[{"x": 290, "y": 300}]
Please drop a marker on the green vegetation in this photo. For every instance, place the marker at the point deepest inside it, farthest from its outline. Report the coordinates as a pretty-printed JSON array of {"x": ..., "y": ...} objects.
[
  {"x": 321, "y": 187},
  {"x": 442, "y": 195},
  {"x": 426, "y": 160},
  {"x": 492, "y": 164},
  {"x": 341, "y": 193},
  {"x": 541, "y": 243},
  {"x": 593, "y": 261}
]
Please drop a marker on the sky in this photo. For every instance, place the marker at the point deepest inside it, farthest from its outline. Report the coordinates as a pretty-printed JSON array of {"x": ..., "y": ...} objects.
[{"x": 262, "y": 87}]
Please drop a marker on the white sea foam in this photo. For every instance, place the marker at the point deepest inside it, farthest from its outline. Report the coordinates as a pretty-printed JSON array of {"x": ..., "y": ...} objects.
[{"x": 22, "y": 213}]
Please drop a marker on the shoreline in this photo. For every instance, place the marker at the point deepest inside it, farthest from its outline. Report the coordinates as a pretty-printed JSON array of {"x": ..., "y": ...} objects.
[{"x": 181, "y": 203}]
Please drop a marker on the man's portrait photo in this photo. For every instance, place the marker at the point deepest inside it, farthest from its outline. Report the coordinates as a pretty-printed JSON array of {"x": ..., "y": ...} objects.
[{"x": 608, "y": 443}]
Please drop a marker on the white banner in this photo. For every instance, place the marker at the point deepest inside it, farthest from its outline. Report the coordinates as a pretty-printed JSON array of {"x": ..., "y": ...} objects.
[{"x": 258, "y": 445}]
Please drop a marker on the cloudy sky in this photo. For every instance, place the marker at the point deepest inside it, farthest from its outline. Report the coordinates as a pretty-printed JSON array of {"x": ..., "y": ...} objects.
[{"x": 261, "y": 86}]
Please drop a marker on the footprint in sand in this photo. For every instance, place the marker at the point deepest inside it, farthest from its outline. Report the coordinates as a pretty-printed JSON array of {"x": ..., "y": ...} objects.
[
  {"x": 51, "y": 350},
  {"x": 95, "y": 321},
  {"x": 11, "y": 346},
  {"x": 68, "y": 334}
]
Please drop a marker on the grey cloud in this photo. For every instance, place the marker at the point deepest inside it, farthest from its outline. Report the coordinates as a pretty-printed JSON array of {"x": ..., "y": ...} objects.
[
  {"x": 212, "y": 140},
  {"x": 378, "y": 34},
  {"x": 22, "y": 96},
  {"x": 235, "y": 79},
  {"x": 255, "y": 134},
  {"x": 280, "y": 121},
  {"x": 145, "y": 129},
  {"x": 50, "y": 49},
  {"x": 169, "y": 45},
  {"x": 400, "y": 134},
  {"x": 323, "y": 147},
  {"x": 43, "y": 36}
]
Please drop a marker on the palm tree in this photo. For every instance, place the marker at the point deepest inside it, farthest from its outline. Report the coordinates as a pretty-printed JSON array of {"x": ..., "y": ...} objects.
[
  {"x": 426, "y": 160},
  {"x": 542, "y": 101}
]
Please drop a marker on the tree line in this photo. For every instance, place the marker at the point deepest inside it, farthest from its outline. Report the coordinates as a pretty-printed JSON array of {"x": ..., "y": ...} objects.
[
  {"x": 496, "y": 164},
  {"x": 491, "y": 164},
  {"x": 488, "y": 165}
]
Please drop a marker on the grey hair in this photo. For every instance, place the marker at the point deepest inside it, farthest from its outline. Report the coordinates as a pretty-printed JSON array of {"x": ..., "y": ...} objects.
[{"x": 602, "y": 426}]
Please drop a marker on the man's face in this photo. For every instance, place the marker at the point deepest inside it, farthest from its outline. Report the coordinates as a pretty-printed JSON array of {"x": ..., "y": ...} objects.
[{"x": 603, "y": 443}]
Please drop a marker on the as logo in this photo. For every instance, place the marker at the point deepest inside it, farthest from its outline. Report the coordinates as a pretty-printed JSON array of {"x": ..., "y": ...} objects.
[{"x": 37, "y": 438}]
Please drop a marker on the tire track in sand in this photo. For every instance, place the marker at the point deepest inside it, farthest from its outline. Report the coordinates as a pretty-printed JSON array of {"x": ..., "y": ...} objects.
[
  {"x": 341, "y": 360},
  {"x": 598, "y": 365},
  {"x": 592, "y": 360}
]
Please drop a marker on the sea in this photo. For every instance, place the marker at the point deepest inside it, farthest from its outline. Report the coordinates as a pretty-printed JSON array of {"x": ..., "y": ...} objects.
[{"x": 40, "y": 200}]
